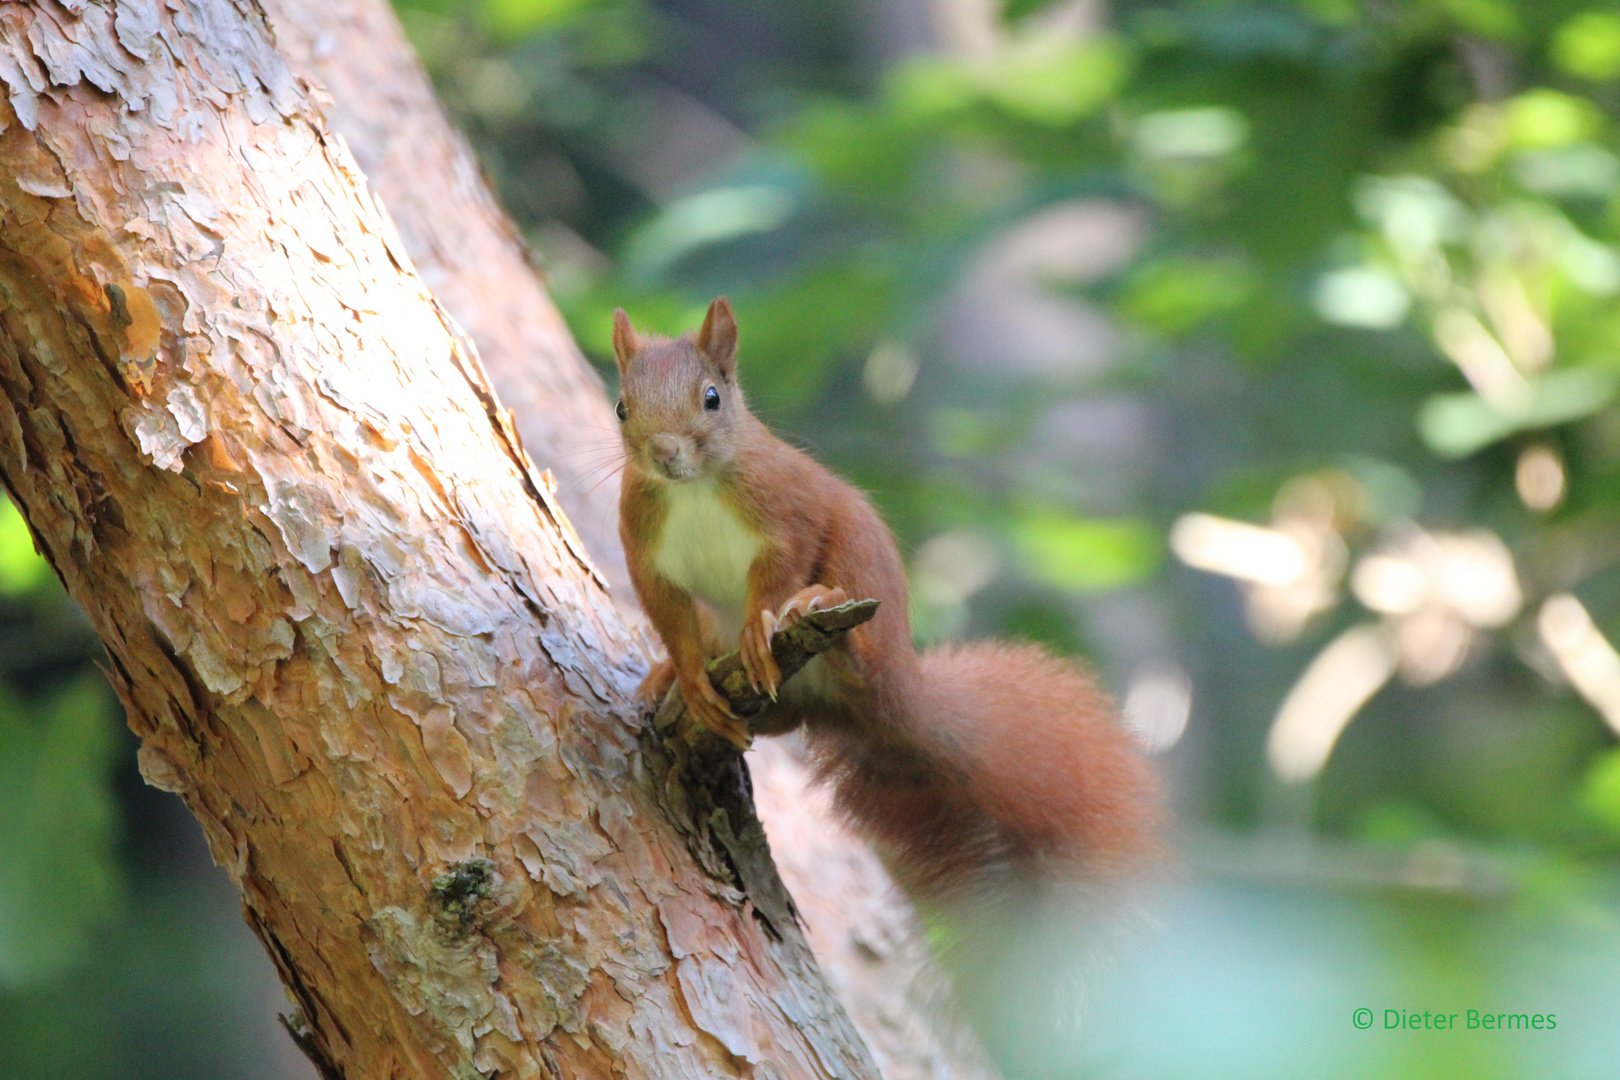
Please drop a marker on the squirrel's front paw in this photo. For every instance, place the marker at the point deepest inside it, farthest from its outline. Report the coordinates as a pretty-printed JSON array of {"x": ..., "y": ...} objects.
[
  {"x": 808, "y": 599},
  {"x": 754, "y": 646},
  {"x": 710, "y": 708}
]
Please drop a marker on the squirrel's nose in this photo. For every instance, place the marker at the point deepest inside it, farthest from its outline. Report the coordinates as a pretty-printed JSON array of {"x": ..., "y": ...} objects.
[{"x": 663, "y": 448}]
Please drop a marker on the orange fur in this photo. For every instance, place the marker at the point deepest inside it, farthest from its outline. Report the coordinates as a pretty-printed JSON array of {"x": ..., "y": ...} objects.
[{"x": 963, "y": 764}]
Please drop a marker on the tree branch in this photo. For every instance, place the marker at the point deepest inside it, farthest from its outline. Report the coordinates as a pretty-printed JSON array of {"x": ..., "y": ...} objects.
[{"x": 792, "y": 648}]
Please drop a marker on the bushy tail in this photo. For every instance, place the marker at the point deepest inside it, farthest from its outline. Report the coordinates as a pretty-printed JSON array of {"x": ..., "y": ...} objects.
[{"x": 1011, "y": 763}]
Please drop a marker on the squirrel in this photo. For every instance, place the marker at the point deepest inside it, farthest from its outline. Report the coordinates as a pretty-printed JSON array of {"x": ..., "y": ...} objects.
[{"x": 961, "y": 765}]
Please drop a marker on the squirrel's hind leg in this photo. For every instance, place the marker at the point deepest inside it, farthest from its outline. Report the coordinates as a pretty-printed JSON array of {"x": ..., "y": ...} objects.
[{"x": 657, "y": 683}]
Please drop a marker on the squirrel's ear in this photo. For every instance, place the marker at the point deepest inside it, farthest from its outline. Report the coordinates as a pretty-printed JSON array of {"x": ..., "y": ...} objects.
[
  {"x": 718, "y": 338},
  {"x": 625, "y": 342}
]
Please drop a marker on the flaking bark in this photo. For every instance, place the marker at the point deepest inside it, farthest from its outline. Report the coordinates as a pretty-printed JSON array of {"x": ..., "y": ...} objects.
[
  {"x": 346, "y": 616},
  {"x": 466, "y": 250}
]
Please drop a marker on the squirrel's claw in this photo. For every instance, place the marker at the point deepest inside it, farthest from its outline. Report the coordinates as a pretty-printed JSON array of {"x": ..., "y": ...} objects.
[
  {"x": 737, "y": 734},
  {"x": 754, "y": 645},
  {"x": 754, "y": 649}
]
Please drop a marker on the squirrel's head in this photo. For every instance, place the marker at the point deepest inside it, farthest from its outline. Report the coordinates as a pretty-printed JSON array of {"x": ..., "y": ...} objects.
[{"x": 679, "y": 407}]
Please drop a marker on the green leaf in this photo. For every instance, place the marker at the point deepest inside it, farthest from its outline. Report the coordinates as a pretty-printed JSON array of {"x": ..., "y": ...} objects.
[
  {"x": 1333, "y": 12},
  {"x": 1456, "y": 425},
  {"x": 21, "y": 567},
  {"x": 1541, "y": 119},
  {"x": 1488, "y": 18},
  {"x": 1588, "y": 46},
  {"x": 59, "y": 879},
  {"x": 859, "y": 151},
  {"x": 1600, "y": 791},
  {"x": 707, "y": 217},
  {"x": 1046, "y": 79},
  {"x": 1086, "y": 554},
  {"x": 509, "y": 20},
  {"x": 1179, "y": 294},
  {"x": 437, "y": 7},
  {"x": 1395, "y": 823}
]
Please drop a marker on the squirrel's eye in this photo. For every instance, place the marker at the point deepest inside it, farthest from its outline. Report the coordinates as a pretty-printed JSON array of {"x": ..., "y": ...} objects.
[
  {"x": 711, "y": 399},
  {"x": 623, "y": 415}
]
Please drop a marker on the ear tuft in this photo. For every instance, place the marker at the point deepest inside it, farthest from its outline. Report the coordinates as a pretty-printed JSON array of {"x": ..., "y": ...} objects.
[
  {"x": 718, "y": 338},
  {"x": 625, "y": 342}
]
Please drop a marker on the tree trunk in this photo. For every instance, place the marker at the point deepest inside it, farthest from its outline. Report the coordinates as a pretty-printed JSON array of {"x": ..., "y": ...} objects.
[
  {"x": 863, "y": 932},
  {"x": 346, "y": 616},
  {"x": 465, "y": 249}
]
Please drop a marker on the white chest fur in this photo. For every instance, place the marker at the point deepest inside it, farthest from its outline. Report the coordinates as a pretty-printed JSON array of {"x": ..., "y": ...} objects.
[{"x": 706, "y": 549}]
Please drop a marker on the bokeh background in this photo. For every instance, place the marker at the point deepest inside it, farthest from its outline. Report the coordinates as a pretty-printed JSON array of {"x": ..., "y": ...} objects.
[{"x": 1264, "y": 354}]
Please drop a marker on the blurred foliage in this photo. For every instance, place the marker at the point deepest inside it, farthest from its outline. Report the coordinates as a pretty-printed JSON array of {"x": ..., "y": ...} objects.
[
  {"x": 21, "y": 568},
  {"x": 176, "y": 987},
  {"x": 1085, "y": 555},
  {"x": 57, "y": 880}
]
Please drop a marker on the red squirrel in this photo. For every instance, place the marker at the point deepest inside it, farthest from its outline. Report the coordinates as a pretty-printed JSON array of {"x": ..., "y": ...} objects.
[{"x": 962, "y": 764}]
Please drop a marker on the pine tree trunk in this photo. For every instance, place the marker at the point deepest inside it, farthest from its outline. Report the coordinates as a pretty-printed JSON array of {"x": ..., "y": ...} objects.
[
  {"x": 465, "y": 249},
  {"x": 346, "y": 616}
]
